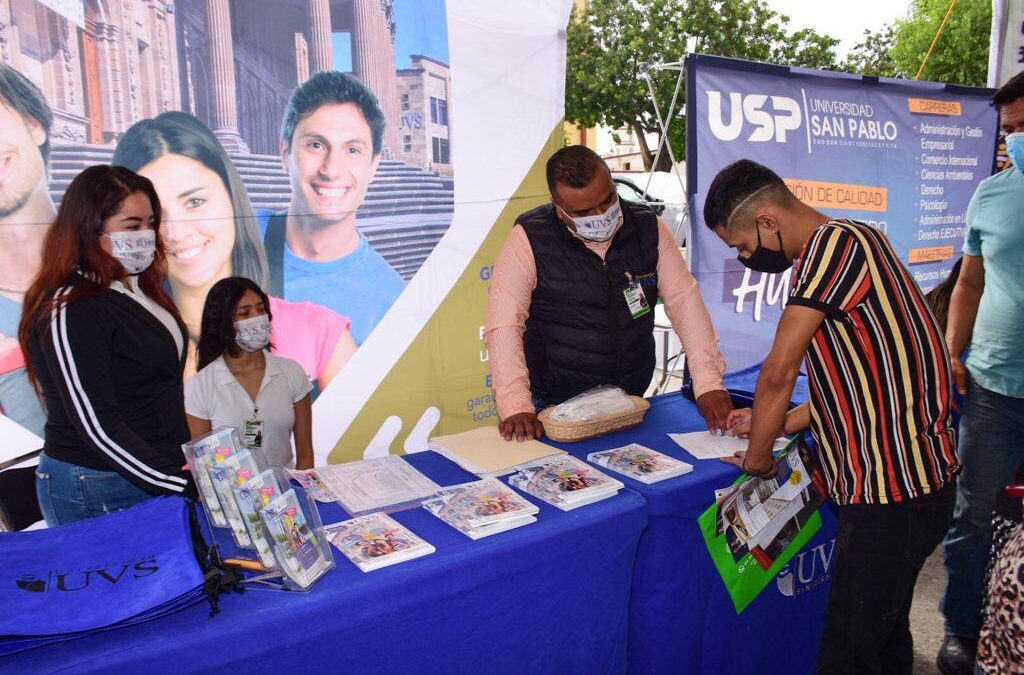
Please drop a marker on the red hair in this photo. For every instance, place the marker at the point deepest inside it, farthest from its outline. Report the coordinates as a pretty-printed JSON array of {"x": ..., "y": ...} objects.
[{"x": 72, "y": 245}]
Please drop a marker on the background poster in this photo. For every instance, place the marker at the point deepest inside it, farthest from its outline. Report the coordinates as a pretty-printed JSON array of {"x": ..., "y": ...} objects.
[
  {"x": 434, "y": 201},
  {"x": 903, "y": 156}
]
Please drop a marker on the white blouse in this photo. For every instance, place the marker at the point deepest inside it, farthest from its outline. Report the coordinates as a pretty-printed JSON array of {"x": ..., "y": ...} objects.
[{"x": 214, "y": 394}]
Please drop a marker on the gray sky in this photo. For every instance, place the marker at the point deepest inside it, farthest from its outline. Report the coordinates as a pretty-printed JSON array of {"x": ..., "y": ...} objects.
[{"x": 839, "y": 18}]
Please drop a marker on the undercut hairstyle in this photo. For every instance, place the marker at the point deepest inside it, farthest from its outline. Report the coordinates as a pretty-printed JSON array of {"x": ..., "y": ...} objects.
[
  {"x": 331, "y": 87},
  {"x": 1009, "y": 92},
  {"x": 575, "y": 166},
  {"x": 19, "y": 94},
  {"x": 738, "y": 189}
]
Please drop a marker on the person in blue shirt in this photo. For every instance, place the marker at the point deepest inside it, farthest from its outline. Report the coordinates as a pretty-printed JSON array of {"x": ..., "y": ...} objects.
[
  {"x": 26, "y": 212},
  {"x": 986, "y": 313},
  {"x": 331, "y": 142}
]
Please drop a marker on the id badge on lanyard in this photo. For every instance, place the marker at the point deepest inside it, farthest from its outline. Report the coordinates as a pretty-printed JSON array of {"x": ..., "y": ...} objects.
[
  {"x": 636, "y": 300},
  {"x": 252, "y": 430}
]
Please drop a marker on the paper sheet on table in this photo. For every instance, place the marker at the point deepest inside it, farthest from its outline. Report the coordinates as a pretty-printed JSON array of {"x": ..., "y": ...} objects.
[
  {"x": 704, "y": 445},
  {"x": 484, "y": 452}
]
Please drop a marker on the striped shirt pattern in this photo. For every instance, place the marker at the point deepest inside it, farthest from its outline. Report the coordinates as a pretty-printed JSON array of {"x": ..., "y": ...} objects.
[{"x": 880, "y": 382}]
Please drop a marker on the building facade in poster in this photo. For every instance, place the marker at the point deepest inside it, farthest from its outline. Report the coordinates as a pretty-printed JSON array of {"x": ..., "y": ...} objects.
[
  {"x": 110, "y": 72},
  {"x": 232, "y": 69},
  {"x": 425, "y": 98}
]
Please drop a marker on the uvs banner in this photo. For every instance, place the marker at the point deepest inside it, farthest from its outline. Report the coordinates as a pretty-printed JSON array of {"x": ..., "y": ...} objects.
[
  {"x": 903, "y": 156},
  {"x": 362, "y": 161}
]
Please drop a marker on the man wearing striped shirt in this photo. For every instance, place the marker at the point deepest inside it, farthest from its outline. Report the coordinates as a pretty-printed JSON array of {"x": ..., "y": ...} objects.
[{"x": 879, "y": 407}]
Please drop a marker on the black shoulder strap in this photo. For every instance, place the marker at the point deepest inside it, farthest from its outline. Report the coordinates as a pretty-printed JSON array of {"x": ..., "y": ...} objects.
[{"x": 273, "y": 243}]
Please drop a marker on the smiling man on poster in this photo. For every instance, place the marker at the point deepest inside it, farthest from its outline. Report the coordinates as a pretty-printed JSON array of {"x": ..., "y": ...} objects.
[
  {"x": 331, "y": 143},
  {"x": 879, "y": 407},
  {"x": 26, "y": 212}
]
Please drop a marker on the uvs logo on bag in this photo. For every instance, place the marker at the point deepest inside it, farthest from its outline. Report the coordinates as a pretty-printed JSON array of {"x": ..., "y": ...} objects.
[
  {"x": 785, "y": 116},
  {"x": 808, "y": 570},
  {"x": 80, "y": 579}
]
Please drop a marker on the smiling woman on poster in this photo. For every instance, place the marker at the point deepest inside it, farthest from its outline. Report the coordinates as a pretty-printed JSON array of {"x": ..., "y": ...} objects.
[{"x": 211, "y": 234}]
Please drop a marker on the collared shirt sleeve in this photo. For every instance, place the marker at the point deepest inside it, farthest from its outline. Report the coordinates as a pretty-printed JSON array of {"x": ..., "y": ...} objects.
[
  {"x": 298, "y": 382},
  {"x": 689, "y": 316},
  {"x": 512, "y": 284},
  {"x": 197, "y": 394}
]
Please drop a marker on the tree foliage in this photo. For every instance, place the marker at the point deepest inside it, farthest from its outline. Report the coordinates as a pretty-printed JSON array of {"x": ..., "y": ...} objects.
[
  {"x": 961, "y": 54},
  {"x": 611, "y": 43},
  {"x": 873, "y": 55}
]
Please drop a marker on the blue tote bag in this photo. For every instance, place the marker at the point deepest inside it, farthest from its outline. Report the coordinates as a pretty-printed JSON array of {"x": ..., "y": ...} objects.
[{"x": 120, "y": 569}]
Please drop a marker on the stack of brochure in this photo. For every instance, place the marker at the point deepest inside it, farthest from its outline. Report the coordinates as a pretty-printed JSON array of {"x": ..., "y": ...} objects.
[
  {"x": 565, "y": 482},
  {"x": 254, "y": 491},
  {"x": 297, "y": 548},
  {"x": 481, "y": 508},
  {"x": 376, "y": 540},
  {"x": 640, "y": 463}
]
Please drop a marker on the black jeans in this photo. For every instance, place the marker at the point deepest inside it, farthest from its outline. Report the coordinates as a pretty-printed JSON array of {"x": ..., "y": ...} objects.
[{"x": 880, "y": 549}]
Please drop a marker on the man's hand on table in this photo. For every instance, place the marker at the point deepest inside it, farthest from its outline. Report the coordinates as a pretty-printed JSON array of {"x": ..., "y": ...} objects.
[
  {"x": 715, "y": 407},
  {"x": 521, "y": 426}
]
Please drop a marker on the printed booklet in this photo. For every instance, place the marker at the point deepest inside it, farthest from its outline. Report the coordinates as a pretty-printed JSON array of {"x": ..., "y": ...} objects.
[
  {"x": 298, "y": 550},
  {"x": 565, "y": 482},
  {"x": 255, "y": 491},
  {"x": 481, "y": 508},
  {"x": 376, "y": 540},
  {"x": 640, "y": 463}
]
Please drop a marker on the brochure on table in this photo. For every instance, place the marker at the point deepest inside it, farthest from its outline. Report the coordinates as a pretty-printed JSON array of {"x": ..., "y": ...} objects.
[
  {"x": 376, "y": 540},
  {"x": 565, "y": 482},
  {"x": 482, "y": 508},
  {"x": 640, "y": 463}
]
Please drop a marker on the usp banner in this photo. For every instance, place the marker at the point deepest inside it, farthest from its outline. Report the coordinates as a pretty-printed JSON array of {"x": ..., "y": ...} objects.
[{"x": 903, "y": 156}]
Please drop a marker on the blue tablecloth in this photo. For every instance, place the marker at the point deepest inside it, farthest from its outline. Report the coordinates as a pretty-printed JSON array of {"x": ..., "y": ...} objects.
[
  {"x": 551, "y": 597},
  {"x": 681, "y": 619}
]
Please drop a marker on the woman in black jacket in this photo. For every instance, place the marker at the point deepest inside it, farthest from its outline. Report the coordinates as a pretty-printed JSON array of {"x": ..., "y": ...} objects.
[{"x": 106, "y": 348}]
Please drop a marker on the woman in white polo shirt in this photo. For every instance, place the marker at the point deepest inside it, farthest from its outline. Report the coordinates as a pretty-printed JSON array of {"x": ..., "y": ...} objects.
[{"x": 241, "y": 384}]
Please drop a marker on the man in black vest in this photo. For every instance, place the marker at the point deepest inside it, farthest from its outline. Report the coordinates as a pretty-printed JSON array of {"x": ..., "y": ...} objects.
[{"x": 572, "y": 298}]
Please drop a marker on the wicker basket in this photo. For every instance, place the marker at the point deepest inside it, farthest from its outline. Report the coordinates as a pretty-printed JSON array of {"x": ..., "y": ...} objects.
[{"x": 567, "y": 430}]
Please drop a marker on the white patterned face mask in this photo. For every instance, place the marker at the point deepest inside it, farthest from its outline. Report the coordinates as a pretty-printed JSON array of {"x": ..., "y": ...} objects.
[
  {"x": 134, "y": 249},
  {"x": 599, "y": 227},
  {"x": 253, "y": 334}
]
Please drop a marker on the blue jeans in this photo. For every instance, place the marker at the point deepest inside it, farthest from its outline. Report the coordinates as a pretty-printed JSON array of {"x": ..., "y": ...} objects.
[
  {"x": 68, "y": 493},
  {"x": 991, "y": 446}
]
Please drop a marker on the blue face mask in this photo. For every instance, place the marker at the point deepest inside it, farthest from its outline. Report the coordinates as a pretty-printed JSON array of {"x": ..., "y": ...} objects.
[{"x": 1015, "y": 149}]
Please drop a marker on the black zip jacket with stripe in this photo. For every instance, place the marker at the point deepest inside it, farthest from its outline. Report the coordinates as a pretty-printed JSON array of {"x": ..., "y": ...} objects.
[{"x": 111, "y": 376}]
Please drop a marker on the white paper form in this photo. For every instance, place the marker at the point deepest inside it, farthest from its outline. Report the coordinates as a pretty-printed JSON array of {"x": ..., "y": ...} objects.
[{"x": 705, "y": 445}]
